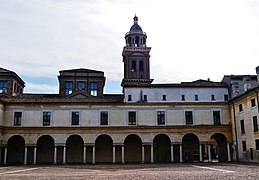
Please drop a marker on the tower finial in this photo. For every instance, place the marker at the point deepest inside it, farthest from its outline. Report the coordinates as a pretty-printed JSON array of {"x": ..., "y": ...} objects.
[{"x": 135, "y": 19}]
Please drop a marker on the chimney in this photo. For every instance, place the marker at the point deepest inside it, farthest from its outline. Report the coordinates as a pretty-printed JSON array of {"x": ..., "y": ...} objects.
[
  {"x": 257, "y": 72},
  {"x": 235, "y": 89},
  {"x": 247, "y": 82}
]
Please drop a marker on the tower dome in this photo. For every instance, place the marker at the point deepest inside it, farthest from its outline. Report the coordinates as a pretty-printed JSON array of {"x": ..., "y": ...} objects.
[
  {"x": 135, "y": 37},
  {"x": 135, "y": 26}
]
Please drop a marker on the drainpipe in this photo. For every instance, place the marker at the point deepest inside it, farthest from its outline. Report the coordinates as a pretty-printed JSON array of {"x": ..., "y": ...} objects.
[{"x": 236, "y": 147}]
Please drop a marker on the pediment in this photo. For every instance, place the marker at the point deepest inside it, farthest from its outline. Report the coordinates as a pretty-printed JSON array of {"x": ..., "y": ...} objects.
[{"x": 80, "y": 95}]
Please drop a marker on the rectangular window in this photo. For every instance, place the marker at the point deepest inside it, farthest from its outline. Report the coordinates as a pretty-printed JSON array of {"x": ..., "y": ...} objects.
[
  {"x": 216, "y": 117},
  {"x": 3, "y": 86},
  {"x": 132, "y": 118},
  {"x": 240, "y": 108},
  {"x": 75, "y": 118},
  {"x": 242, "y": 126},
  {"x": 129, "y": 98},
  {"x": 253, "y": 102},
  {"x": 225, "y": 97},
  {"x": 244, "y": 146},
  {"x": 17, "y": 118},
  {"x": 94, "y": 88},
  {"x": 104, "y": 118},
  {"x": 164, "y": 97},
  {"x": 196, "y": 97},
  {"x": 81, "y": 86},
  {"x": 68, "y": 87},
  {"x": 183, "y": 97},
  {"x": 255, "y": 123},
  {"x": 145, "y": 97},
  {"x": 188, "y": 117},
  {"x": 46, "y": 118},
  {"x": 160, "y": 117},
  {"x": 257, "y": 144},
  {"x": 213, "y": 97}
]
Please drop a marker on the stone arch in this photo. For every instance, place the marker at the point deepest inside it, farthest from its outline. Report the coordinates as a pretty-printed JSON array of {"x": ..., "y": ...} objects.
[
  {"x": 162, "y": 148},
  {"x": 15, "y": 150},
  {"x": 218, "y": 143},
  {"x": 74, "y": 149},
  {"x": 103, "y": 147},
  {"x": 190, "y": 143},
  {"x": 45, "y": 149},
  {"x": 133, "y": 148}
]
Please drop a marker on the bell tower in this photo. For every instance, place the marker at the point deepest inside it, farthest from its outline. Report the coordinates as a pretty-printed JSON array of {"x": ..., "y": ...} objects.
[{"x": 136, "y": 57}]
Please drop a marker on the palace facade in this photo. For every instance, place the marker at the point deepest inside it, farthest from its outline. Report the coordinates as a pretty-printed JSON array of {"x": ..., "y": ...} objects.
[{"x": 197, "y": 121}]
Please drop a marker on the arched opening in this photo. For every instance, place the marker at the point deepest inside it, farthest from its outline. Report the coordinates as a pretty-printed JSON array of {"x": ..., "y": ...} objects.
[
  {"x": 190, "y": 145},
  {"x": 133, "y": 145},
  {"x": 103, "y": 147},
  {"x": 219, "y": 147},
  {"x": 130, "y": 41},
  {"x": 133, "y": 66},
  {"x": 15, "y": 150},
  {"x": 137, "y": 41},
  {"x": 74, "y": 145},
  {"x": 162, "y": 148},
  {"x": 141, "y": 66},
  {"x": 45, "y": 150}
]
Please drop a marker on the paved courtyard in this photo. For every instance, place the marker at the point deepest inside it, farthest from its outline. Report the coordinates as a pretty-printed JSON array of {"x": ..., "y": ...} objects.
[{"x": 197, "y": 171}]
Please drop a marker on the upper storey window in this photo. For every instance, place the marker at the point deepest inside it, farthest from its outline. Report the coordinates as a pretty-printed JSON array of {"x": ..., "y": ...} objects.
[
  {"x": 94, "y": 88},
  {"x": 134, "y": 66},
  {"x": 17, "y": 118},
  {"x": 3, "y": 86},
  {"x": 81, "y": 86},
  {"x": 141, "y": 66},
  {"x": 68, "y": 87}
]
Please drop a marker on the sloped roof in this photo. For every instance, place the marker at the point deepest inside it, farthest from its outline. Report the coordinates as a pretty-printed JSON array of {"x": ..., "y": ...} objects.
[
  {"x": 56, "y": 98},
  {"x": 81, "y": 70},
  {"x": 198, "y": 83}
]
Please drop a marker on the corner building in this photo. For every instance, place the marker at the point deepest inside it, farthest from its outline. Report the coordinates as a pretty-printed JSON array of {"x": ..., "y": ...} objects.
[{"x": 148, "y": 123}]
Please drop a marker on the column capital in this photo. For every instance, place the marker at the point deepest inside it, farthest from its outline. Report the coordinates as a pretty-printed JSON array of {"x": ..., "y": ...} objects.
[{"x": 59, "y": 144}]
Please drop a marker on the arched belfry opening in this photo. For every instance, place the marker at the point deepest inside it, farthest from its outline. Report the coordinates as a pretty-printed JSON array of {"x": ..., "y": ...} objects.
[{"x": 136, "y": 57}]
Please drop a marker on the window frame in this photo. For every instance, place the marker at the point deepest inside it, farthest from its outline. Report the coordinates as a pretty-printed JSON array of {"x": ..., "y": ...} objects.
[
  {"x": 75, "y": 118},
  {"x": 68, "y": 89},
  {"x": 240, "y": 108},
  {"x": 161, "y": 117},
  {"x": 189, "y": 121},
  {"x": 196, "y": 97},
  {"x": 94, "y": 90},
  {"x": 3, "y": 85},
  {"x": 257, "y": 144},
  {"x": 17, "y": 120},
  {"x": 244, "y": 147},
  {"x": 213, "y": 97},
  {"x": 132, "y": 120},
  {"x": 104, "y": 118},
  {"x": 216, "y": 120},
  {"x": 79, "y": 84},
  {"x": 253, "y": 102},
  {"x": 183, "y": 97},
  {"x": 46, "y": 119},
  {"x": 242, "y": 126},
  {"x": 255, "y": 123}
]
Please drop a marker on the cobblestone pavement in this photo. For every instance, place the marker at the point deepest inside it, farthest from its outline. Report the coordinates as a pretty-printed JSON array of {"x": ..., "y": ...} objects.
[{"x": 197, "y": 171}]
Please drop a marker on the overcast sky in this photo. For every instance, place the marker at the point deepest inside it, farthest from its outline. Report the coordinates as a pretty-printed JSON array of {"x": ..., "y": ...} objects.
[{"x": 190, "y": 39}]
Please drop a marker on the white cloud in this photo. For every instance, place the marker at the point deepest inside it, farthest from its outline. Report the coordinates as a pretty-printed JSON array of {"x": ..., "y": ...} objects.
[{"x": 190, "y": 39}]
